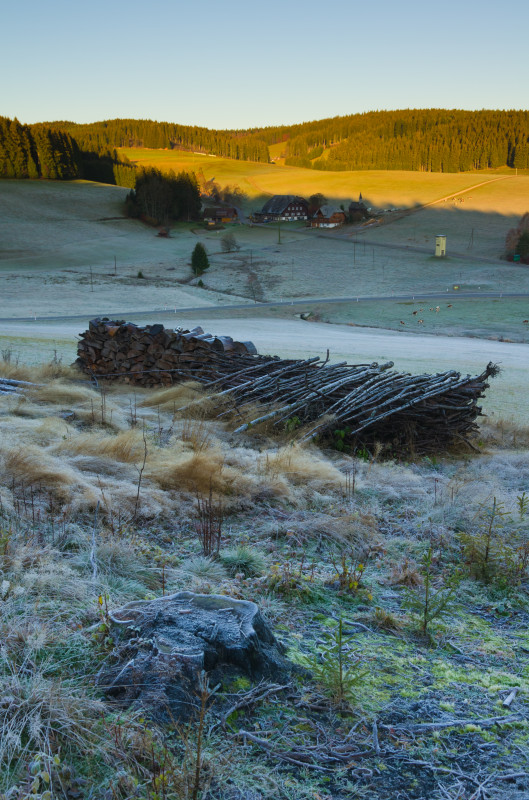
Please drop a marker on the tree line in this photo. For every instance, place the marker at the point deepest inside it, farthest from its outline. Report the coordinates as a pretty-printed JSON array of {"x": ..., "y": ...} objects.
[
  {"x": 99, "y": 137},
  {"x": 44, "y": 151},
  {"x": 429, "y": 140}
]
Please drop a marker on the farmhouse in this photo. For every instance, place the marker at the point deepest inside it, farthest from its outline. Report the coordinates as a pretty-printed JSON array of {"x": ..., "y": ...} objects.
[
  {"x": 219, "y": 216},
  {"x": 285, "y": 207},
  {"x": 328, "y": 217}
]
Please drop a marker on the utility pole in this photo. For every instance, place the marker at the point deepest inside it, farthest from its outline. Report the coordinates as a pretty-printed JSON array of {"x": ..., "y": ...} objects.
[{"x": 278, "y": 230}]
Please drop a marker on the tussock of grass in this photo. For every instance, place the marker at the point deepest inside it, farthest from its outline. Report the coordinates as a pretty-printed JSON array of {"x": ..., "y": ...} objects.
[
  {"x": 204, "y": 568},
  {"x": 126, "y": 446},
  {"x": 302, "y": 466},
  {"x": 243, "y": 559},
  {"x": 179, "y": 469},
  {"x": 174, "y": 397},
  {"x": 57, "y": 392},
  {"x": 41, "y": 714},
  {"x": 56, "y": 580},
  {"x": 32, "y": 466}
]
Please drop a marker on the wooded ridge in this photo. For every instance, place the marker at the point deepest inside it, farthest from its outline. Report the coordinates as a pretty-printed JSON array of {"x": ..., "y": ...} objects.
[{"x": 429, "y": 140}]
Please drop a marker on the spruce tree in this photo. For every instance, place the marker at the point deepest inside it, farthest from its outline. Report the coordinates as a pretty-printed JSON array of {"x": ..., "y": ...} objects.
[{"x": 199, "y": 259}]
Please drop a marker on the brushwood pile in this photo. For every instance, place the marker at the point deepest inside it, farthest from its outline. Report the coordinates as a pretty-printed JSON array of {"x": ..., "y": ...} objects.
[{"x": 362, "y": 404}]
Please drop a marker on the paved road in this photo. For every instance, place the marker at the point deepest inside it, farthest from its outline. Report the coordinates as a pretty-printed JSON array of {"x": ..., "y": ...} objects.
[{"x": 300, "y": 302}]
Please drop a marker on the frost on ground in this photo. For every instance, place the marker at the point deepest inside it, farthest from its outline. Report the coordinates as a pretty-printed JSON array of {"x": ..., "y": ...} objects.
[{"x": 399, "y": 590}]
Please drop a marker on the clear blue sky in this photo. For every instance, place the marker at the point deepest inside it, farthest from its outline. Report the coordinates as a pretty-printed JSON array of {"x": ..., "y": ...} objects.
[{"x": 239, "y": 64}]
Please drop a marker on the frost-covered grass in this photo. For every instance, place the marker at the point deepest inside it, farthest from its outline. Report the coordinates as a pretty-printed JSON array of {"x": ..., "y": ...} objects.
[{"x": 116, "y": 485}]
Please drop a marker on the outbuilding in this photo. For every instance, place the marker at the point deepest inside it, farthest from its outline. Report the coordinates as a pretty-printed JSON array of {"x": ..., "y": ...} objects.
[
  {"x": 328, "y": 217},
  {"x": 220, "y": 216}
]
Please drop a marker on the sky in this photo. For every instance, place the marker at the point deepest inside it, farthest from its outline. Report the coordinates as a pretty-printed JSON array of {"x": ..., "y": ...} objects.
[{"x": 241, "y": 64}]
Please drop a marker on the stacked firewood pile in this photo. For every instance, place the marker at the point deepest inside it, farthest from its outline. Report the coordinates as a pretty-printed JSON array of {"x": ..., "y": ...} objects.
[
  {"x": 361, "y": 403},
  {"x": 152, "y": 355}
]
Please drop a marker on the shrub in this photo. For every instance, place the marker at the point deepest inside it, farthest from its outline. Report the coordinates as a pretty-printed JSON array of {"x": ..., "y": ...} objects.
[{"x": 228, "y": 243}]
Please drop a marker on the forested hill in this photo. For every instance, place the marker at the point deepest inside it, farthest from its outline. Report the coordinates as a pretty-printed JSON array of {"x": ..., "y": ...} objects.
[
  {"x": 432, "y": 140},
  {"x": 104, "y": 136},
  {"x": 37, "y": 151}
]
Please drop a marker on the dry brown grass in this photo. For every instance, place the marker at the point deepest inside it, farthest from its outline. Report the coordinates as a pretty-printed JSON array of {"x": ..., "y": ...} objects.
[
  {"x": 504, "y": 433},
  {"x": 385, "y": 620},
  {"x": 175, "y": 397},
  {"x": 126, "y": 446},
  {"x": 58, "y": 392},
  {"x": 180, "y": 469},
  {"x": 37, "y": 373},
  {"x": 32, "y": 466},
  {"x": 302, "y": 466},
  {"x": 405, "y": 574}
]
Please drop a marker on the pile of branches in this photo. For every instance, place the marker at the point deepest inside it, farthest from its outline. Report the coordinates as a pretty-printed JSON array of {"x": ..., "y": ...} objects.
[{"x": 364, "y": 404}]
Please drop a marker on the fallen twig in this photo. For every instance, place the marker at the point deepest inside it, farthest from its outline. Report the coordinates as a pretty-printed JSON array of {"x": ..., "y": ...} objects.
[{"x": 454, "y": 723}]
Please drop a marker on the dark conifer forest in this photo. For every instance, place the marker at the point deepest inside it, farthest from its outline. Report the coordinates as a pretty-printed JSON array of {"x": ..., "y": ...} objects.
[{"x": 427, "y": 140}]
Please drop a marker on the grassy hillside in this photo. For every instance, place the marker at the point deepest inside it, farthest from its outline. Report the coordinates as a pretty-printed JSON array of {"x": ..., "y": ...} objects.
[{"x": 379, "y": 188}]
